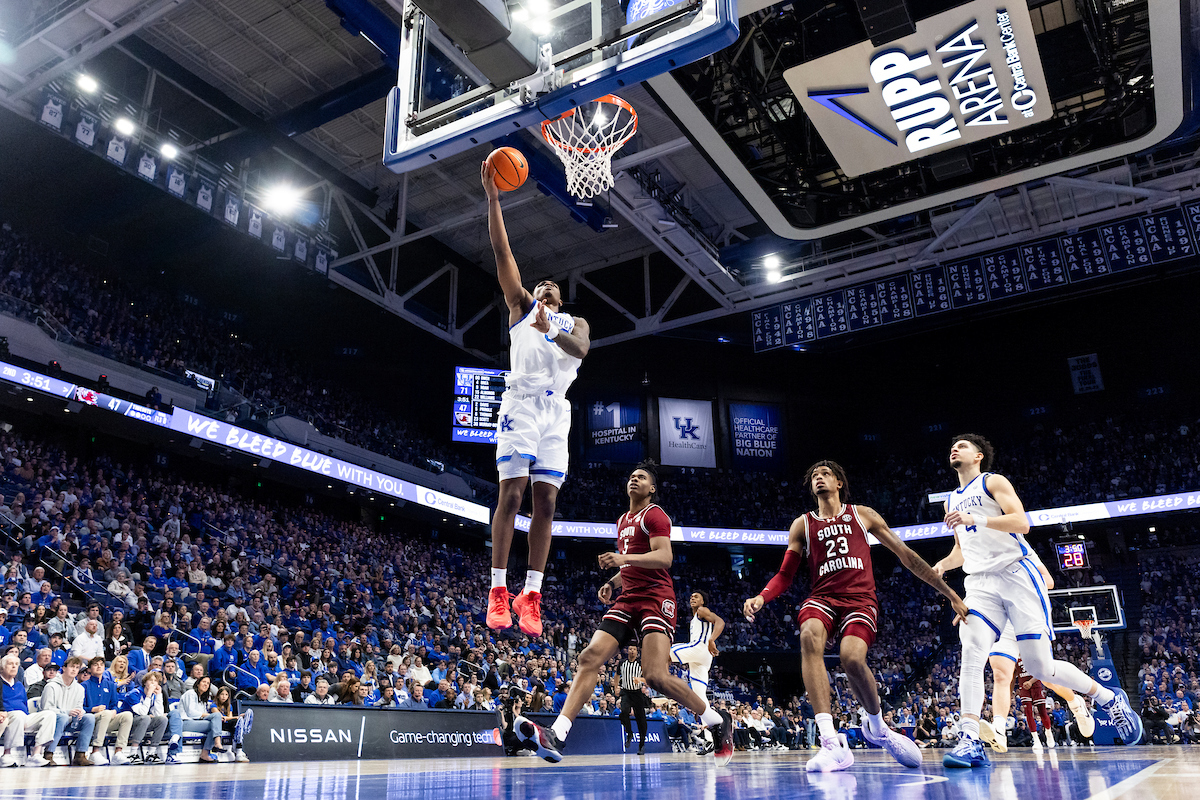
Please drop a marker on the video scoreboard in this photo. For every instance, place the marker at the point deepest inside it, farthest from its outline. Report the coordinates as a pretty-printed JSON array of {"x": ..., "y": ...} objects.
[
  {"x": 1072, "y": 555},
  {"x": 477, "y": 394}
]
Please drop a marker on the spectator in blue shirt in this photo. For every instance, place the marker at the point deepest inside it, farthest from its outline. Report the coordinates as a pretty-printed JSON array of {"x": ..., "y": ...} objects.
[
  {"x": 224, "y": 657},
  {"x": 18, "y": 721},
  {"x": 102, "y": 699}
]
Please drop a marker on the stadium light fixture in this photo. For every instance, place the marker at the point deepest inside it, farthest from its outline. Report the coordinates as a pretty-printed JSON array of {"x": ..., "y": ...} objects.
[
  {"x": 282, "y": 199},
  {"x": 774, "y": 276},
  {"x": 124, "y": 126},
  {"x": 772, "y": 262},
  {"x": 169, "y": 151},
  {"x": 541, "y": 26},
  {"x": 87, "y": 83}
]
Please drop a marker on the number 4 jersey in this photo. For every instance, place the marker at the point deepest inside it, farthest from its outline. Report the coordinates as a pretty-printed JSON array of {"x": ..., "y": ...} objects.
[{"x": 839, "y": 555}]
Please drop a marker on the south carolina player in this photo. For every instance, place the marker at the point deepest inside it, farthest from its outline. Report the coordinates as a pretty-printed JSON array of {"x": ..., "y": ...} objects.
[
  {"x": 1003, "y": 584},
  {"x": 546, "y": 350},
  {"x": 1003, "y": 660},
  {"x": 1033, "y": 702},
  {"x": 843, "y": 601},
  {"x": 645, "y": 608},
  {"x": 697, "y": 652}
]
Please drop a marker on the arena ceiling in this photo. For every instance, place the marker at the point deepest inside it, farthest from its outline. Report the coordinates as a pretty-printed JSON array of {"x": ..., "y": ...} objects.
[{"x": 268, "y": 90}]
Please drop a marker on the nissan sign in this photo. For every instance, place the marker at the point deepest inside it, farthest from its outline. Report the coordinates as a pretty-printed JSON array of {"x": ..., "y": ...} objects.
[{"x": 967, "y": 74}]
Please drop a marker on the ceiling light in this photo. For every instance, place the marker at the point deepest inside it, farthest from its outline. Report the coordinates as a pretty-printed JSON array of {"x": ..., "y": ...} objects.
[
  {"x": 520, "y": 15},
  {"x": 541, "y": 26},
  {"x": 772, "y": 262},
  {"x": 539, "y": 8},
  {"x": 124, "y": 126},
  {"x": 87, "y": 83},
  {"x": 169, "y": 151},
  {"x": 774, "y": 276},
  {"x": 282, "y": 199}
]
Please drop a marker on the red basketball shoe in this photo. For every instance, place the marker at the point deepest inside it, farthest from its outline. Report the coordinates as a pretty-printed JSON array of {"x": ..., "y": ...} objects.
[
  {"x": 498, "y": 616},
  {"x": 528, "y": 606}
]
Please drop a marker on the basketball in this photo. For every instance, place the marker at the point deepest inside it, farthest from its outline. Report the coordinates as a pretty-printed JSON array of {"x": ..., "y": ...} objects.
[{"x": 511, "y": 168}]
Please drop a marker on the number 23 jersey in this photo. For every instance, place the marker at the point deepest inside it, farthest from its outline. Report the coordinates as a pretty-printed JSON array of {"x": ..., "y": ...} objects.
[{"x": 839, "y": 554}]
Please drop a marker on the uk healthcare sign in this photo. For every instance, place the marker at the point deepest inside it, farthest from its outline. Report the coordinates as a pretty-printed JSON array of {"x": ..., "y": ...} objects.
[
  {"x": 685, "y": 433},
  {"x": 967, "y": 74}
]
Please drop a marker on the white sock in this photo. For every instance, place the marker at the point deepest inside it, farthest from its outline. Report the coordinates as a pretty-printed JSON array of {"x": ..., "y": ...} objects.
[
  {"x": 561, "y": 727},
  {"x": 710, "y": 716},
  {"x": 825, "y": 726},
  {"x": 1103, "y": 695},
  {"x": 533, "y": 581},
  {"x": 499, "y": 578},
  {"x": 969, "y": 728},
  {"x": 876, "y": 720}
]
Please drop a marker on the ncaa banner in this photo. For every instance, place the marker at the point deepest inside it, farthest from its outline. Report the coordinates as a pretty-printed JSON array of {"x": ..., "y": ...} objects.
[
  {"x": 614, "y": 431},
  {"x": 685, "y": 433},
  {"x": 757, "y": 433}
]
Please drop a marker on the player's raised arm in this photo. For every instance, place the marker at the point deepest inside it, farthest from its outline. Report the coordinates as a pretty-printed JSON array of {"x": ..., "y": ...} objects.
[
  {"x": 718, "y": 624},
  {"x": 1012, "y": 521},
  {"x": 911, "y": 561},
  {"x": 787, "y": 572},
  {"x": 515, "y": 295}
]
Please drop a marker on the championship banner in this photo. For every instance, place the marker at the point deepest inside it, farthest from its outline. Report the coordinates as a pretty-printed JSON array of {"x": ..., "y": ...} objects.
[
  {"x": 85, "y": 129},
  {"x": 1085, "y": 374},
  {"x": 614, "y": 431},
  {"x": 685, "y": 433},
  {"x": 204, "y": 196},
  {"x": 176, "y": 181},
  {"x": 147, "y": 167},
  {"x": 757, "y": 433},
  {"x": 299, "y": 732},
  {"x": 52, "y": 112}
]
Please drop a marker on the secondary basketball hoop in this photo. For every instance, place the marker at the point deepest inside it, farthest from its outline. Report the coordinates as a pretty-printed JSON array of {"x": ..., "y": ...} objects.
[
  {"x": 1085, "y": 630},
  {"x": 585, "y": 139}
]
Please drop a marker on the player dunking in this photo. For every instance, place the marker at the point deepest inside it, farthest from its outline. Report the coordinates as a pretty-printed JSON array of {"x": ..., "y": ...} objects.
[
  {"x": 645, "y": 608},
  {"x": 546, "y": 349},
  {"x": 696, "y": 654},
  {"x": 843, "y": 601},
  {"x": 1003, "y": 660},
  {"x": 1003, "y": 584}
]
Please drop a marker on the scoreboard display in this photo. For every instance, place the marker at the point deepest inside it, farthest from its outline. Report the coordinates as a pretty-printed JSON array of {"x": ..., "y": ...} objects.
[
  {"x": 1072, "y": 555},
  {"x": 477, "y": 394}
]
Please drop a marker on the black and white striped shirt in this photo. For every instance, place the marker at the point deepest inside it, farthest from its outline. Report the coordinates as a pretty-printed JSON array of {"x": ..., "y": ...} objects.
[{"x": 630, "y": 672}]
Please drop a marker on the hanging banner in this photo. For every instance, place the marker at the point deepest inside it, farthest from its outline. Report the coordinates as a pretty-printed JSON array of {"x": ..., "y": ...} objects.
[
  {"x": 147, "y": 167},
  {"x": 232, "y": 208},
  {"x": 52, "y": 112},
  {"x": 204, "y": 196},
  {"x": 176, "y": 181},
  {"x": 756, "y": 430},
  {"x": 279, "y": 239},
  {"x": 300, "y": 251},
  {"x": 85, "y": 129},
  {"x": 614, "y": 431},
  {"x": 254, "y": 226},
  {"x": 685, "y": 433},
  {"x": 1085, "y": 374},
  {"x": 117, "y": 150},
  {"x": 321, "y": 263}
]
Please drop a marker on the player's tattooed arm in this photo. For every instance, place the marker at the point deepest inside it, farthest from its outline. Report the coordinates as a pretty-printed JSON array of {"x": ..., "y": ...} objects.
[
  {"x": 516, "y": 296},
  {"x": 911, "y": 561}
]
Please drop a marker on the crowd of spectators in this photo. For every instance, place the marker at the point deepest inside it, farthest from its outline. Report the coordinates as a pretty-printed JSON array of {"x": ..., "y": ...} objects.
[{"x": 1169, "y": 647}]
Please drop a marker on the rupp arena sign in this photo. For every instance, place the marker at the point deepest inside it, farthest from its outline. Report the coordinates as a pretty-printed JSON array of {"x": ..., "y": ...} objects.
[{"x": 967, "y": 74}]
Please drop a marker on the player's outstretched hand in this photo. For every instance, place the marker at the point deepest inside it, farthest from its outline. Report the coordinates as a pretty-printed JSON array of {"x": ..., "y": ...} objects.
[
  {"x": 752, "y": 607},
  {"x": 487, "y": 176},
  {"x": 960, "y": 611},
  {"x": 540, "y": 323},
  {"x": 605, "y": 594}
]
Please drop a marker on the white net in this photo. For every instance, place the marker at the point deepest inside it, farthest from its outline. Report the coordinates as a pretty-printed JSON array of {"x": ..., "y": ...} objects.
[{"x": 585, "y": 139}]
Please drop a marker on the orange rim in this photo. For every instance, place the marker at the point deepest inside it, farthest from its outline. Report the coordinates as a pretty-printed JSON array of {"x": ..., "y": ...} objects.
[{"x": 611, "y": 99}]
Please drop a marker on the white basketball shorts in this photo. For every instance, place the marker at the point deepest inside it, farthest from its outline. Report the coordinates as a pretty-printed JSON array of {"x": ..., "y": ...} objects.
[
  {"x": 697, "y": 659},
  {"x": 531, "y": 437},
  {"x": 1006, "y": 645},
  {"x": 1017, "y": 595}
]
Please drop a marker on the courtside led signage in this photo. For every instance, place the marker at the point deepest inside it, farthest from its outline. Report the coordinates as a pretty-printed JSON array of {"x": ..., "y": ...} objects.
[{"x": 967, "y": 74}]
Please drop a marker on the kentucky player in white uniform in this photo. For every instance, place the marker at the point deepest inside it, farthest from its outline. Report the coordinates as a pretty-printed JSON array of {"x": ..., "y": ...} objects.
[
  {"x": 1004, "y": 585},
  {"x": 697, "y": 652},
  {"x": 546, "y": 349}
]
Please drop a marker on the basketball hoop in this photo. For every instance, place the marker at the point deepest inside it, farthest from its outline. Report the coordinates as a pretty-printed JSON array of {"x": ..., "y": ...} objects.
[
  {"x": 585, "y": 139},
  {"x": 1085, "y": 629}
]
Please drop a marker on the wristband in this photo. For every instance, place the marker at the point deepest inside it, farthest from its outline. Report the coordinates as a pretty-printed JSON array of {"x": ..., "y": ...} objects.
[
  {"x": 553, "y": 333},
  {"x": 980, "y": 520}
]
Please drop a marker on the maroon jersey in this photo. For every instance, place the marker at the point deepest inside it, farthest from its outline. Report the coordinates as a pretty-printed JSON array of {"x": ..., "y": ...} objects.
[
  {"x": 634, "y": 532},
  {"x": 839, "y": 555}
]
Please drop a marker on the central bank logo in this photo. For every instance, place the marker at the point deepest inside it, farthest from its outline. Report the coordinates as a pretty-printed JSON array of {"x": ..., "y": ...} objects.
[
  {"x": 1104, "y": 674},
  {"x": 687, "y": 429}
]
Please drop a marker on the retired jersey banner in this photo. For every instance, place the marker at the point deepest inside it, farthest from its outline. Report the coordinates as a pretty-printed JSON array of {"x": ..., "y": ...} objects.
[
  {"x": 757, "y": 433},
  {"x": 614, "y": 431},
  {"x": 685, "y": 433}
]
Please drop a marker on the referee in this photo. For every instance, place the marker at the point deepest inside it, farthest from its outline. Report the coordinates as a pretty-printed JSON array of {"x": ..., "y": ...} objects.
[{"x": 633, "y": 698}]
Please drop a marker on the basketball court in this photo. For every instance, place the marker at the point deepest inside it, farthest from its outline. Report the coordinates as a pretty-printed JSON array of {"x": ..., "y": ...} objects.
[{"x": 1152, "y": 773}]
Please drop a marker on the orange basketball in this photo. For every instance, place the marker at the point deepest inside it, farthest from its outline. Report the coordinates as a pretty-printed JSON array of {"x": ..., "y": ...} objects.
[{"x": 511, "y": 168}]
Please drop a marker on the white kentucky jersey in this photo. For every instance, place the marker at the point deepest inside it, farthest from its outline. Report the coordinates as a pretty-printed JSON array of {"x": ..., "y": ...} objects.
[
  {"x": 701, "y": 631},
  {"x": 984, "y": 549},
  {"x": 538, "y": 365}
]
